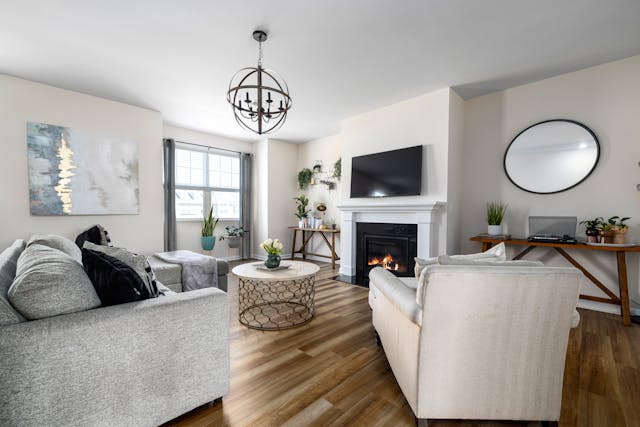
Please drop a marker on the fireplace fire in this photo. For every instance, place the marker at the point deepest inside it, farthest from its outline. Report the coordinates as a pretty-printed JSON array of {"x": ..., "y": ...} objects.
[{"x": 385, "y": 262}]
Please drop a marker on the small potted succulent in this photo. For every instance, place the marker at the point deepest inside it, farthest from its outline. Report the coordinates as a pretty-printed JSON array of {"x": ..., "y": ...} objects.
[
  {"x": 606, "y": 230},
  {"x": 620, "y": 230},
  {"x": 273, "y": 248},
  {"x": 234, "y": 235},
  {"x": 591, "y": 229},
  {"x": 495, "y": 215},
  {"x": 302, "y": 210},
  {"x": 208, "y": 240}
]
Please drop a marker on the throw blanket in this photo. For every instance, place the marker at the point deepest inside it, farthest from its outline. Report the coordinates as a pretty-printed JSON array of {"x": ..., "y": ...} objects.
[{"x": 198, "y": 271}]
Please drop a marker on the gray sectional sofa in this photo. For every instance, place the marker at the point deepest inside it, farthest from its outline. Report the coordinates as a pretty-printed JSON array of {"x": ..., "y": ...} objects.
[{"x": 136, "y": 364}]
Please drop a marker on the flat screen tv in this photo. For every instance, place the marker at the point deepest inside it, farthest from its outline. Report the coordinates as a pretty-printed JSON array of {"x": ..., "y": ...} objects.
[{"x": 387, "y": 174}]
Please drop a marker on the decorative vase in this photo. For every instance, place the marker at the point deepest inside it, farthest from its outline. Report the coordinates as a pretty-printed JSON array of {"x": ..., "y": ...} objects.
[
  {"x": 592, "y": 235},
  {"x": 619, "y": 236},
  {"x": 606, "y": 236},
  {"x": 494, "y": 230},
  {"x": 301, "y": 223},
  {"x": 208, "y": 242},
  {"x": 233, "y": 241},
  {"x": 272, "y": 261}
]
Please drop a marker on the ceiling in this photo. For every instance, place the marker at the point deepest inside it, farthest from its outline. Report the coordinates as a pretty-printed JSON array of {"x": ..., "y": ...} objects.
[{"x": 340, "y": 58}]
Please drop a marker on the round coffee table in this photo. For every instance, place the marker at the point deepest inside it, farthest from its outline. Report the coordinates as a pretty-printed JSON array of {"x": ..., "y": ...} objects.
[{"x": 276, "y": 300}]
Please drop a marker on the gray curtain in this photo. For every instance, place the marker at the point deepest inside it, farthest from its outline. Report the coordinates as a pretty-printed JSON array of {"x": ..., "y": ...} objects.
[
  {"x": 169, "y": 156},
  {"x": 245, "y": 203}
]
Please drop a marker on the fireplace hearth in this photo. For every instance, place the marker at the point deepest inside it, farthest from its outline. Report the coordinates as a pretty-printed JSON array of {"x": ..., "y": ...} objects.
[{"x": 390, "y": 246}]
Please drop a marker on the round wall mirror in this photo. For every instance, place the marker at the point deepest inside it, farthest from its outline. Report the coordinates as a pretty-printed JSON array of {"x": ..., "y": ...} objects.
[{"x": 551, "y": 156}]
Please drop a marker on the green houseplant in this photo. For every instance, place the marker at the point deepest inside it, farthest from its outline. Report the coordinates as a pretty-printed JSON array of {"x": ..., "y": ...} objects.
[
  {"x": 273, "y": 248},
  {"x": 302, "y": 210},
  {"x": 606, "y": 230},
  {"x": 233, "y": 236},
  {"x": 591, "y": 228},
  {"x": 207, "y": 239},
  {"x": 337, "y": 169},
  {"x": 620, "y": 230},
  {"x": 495, "y": 215},
  {"x": 304, "y": 178}
]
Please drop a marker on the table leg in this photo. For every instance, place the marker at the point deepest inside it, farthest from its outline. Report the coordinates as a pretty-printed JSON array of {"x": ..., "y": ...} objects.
[
  {"x": 624, "y": 291},
  {"x": 293, "y": 243},
  {"x": 486, "y": 246},
  {"x": 304, "y": 245},
  {"x": 333, "y": 251}
]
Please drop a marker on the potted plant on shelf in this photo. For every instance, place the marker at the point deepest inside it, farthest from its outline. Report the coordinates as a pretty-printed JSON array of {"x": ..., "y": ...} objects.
[
  {"x": 620, "y": 230},
  {"x": 208, "y": 240},
  {"x": 273, "y": 248},
  {"x": 495, "y": 215},
  {"x": 591, "y": 228},
  {"x": 304, "y": 178},
  {"x": 302, "y": 211},
  {"x": 337, "y": 169},
  {"x": 234, "y": 235},
  {"x": 606, "y": 230}
]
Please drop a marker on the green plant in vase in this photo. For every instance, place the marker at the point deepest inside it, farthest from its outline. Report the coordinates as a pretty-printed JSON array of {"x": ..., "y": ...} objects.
[
  {"x": 273, "y": 248},
  {"x": 302, "y": 210},
  {"x": 233, "y": 236},
  {"x": 495, "y": 215},
  {"x": 606, "y": 230},
  {"x": 207, "y": 239},
  {"x": 620, "y": 229},
  {"x": 591, "y": 228}
]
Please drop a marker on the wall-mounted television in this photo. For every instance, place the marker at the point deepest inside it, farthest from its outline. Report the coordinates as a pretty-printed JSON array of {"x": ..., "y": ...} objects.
[{"x": 387, "y": 174}]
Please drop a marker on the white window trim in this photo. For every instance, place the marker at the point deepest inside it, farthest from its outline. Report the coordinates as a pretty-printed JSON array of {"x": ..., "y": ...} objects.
[{"x": 206, "y": 189}]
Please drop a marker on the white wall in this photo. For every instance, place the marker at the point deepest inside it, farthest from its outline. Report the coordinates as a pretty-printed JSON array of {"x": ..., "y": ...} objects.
[
  {"x": 327, "y": 150},
  {"x": 22, "y": 101},
  {"x": 275, "y": 186},
  {"x": 455, "y": 172},
  {"x": 606, "y": 98},
  {"x": 188, "y": 231}
]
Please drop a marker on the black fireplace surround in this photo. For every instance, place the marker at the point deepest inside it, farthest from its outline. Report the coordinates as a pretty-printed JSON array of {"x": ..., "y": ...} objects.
[{"x": 391, "y": 246}]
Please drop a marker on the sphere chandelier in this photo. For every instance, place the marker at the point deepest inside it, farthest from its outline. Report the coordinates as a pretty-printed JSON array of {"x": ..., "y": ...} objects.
[{"x": 259, "y": 97}]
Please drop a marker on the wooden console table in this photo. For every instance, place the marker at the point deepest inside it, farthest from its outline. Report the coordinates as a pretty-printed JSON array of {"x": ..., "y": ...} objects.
[
  {"x": 307, "y": 234},
  {"x": 622, "y": 300}
]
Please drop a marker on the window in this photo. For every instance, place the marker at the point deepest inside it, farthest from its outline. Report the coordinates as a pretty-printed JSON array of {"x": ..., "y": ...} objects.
[{"x": 207, "y": 179}]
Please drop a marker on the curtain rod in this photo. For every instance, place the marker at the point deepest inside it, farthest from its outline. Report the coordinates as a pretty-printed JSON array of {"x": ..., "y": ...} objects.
[{"x": 208, "y": 147}]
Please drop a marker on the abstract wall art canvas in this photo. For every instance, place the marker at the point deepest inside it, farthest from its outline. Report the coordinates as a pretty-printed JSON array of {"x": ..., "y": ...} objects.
[{"x": 72, "y": 172}]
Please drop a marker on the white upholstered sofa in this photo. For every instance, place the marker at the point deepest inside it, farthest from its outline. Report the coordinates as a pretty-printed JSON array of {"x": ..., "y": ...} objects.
[{"x": 477, "y": 342}]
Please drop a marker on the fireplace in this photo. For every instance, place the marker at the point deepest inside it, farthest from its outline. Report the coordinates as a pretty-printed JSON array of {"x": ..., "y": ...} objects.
[{"x": 390, "y": 246}]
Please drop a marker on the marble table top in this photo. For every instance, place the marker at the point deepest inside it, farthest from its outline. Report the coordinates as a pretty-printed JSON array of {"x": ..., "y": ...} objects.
[{"x": 297, "y": 269}]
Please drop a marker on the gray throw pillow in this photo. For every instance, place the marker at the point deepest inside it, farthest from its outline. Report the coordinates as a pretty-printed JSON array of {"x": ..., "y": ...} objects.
[
  {"x": 8, "y": 261},
  {"x": 49, "y": 282},
  {"x": 138, "y": 263},
  {"x": 57, "y": 242}
]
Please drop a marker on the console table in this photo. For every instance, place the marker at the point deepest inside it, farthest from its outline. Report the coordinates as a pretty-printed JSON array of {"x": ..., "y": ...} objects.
[
  {"x": 307, "y": 234},
  {"x": 622, "y": 300}
]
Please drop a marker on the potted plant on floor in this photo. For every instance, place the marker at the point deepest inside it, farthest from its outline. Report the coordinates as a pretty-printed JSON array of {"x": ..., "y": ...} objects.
[
  {"x": 606, "y": 230},
  {"x": 302, "y": 211},
  {"x": 273, "y": 248},
  {"x": 591, "y": 228},
  {"x": 233, "y": 236},
  {"x": 620, "y": 230},
  {"x": 495, "y": 215},
  {"x": 207, "y": 239}
]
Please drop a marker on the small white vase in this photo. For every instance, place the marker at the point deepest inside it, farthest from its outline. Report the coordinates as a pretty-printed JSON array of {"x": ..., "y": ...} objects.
[
  {"x": 494, "y": 230},
  {"x": 301, "y": 223}
]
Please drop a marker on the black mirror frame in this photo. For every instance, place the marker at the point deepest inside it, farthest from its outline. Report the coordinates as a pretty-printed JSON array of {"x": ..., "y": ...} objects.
[{"x": 595, "y": 138}]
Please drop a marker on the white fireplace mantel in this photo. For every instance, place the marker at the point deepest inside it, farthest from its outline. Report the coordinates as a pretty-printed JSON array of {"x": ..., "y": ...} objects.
[{"x": 424, "y": 214}]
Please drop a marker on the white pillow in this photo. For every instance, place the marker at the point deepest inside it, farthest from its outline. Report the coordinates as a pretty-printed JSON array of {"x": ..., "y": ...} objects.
[
  {"x": 496, "y": 253},
  {"x": 452, "y": 260},
  {"x": 422, "y": 263}
]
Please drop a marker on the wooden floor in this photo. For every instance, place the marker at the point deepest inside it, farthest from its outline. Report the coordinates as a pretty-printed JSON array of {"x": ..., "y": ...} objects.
[{"x": 331, "y": 372}]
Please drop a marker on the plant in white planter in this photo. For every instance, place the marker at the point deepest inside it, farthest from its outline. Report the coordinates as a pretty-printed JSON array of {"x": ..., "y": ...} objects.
[
  {"x": 302, "y": 210},
  {"x": 234, "y": 235},
  {"x": 495, "y": 215}
]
